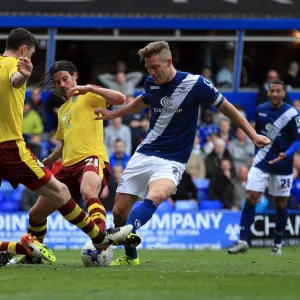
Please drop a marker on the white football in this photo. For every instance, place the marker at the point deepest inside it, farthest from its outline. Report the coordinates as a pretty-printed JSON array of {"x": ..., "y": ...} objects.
[{"x": 91, "y": 257}]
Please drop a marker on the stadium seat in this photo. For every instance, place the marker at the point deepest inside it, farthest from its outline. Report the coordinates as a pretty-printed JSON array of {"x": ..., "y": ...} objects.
[
  {"x": 165, "y": 206},
  {"x": 211, "y": 204},
  {"x": 6, "y": 186},
  {"x": 202, "y": 188},
  {"x": 186, "y": 205},
  {"x": 16, "y": 194},
  {"x": 9, "y": 206},
  {"x": 201, "y": 184}
]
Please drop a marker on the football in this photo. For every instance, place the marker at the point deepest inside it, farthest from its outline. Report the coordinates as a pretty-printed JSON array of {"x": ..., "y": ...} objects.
[{"x": 91, "y": 257}]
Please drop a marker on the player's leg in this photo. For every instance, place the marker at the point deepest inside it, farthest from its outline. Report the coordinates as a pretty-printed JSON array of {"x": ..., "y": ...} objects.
[
  {"x": 281, "y": 221},
  {"x": 14, "y": 247},
  {"x": 19, "y": 165},
  {"x": 164, "y": 176},
  {"x": 280, "y": 187},
  {"x": 91, "y": 185},
  {"x": 90, "y": 188},
  {"x": 5, "y": 257},
  {"x": 256, "y": 184},
  {"x": 121, "y": 210},
  {"x": 159, "y": 190}
]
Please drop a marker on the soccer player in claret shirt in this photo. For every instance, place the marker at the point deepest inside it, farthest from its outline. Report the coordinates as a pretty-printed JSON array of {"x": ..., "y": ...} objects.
[
  {"x": 19, "y": 165},
  {"x": 155, "y": 169},
  {"x": 272, "y": 165}
]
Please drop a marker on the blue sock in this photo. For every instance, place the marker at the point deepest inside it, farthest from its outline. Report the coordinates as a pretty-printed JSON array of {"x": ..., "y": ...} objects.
[
  {"x": 141, "y": 214},
  {"x": 281, "y": 220},
  {"x": 131, "y": 252},
  {"x": 247, "y": 220}
]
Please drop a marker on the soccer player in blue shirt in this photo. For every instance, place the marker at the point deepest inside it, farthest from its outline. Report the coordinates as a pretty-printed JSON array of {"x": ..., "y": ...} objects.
[
  {"x": 273, "y": 165},
  {"x": 156, "y": 168}
]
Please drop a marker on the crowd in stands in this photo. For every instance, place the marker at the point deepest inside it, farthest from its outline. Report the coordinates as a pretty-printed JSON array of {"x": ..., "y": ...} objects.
[{"x": 219, "y": 163}]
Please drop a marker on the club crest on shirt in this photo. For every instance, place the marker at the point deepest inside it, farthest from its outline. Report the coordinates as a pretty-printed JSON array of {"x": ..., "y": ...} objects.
[
  {"x": 66, "y": 120},
  {"x": 272, "y": 132}
]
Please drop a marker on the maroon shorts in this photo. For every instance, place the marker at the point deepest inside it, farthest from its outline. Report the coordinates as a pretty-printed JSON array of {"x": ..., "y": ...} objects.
[
  {"x": 71, "y": 176},
  {"x": 19, "y": 165}
]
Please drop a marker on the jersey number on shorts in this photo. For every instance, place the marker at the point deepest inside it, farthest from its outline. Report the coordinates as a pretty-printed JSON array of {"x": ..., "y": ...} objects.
[
  {"x": 175, "y": 172},
  {"x": 92, "y": 162},
  {"x": 285, "y": 183}
]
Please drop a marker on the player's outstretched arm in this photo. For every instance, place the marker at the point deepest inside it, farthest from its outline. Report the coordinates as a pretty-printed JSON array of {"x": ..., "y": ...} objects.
[
  {"x": 54, "y": 156},
  {"x": 239, "y": 120},
  {"x": 289, "y": 153},
  {"x": 19, "y": 78},
  {"x": 133, "y": 107},
  {"x": 111, "y": 96}
]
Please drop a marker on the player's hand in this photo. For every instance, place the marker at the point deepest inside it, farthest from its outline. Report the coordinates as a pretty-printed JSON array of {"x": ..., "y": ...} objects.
[
  {"x": 79, "y": 90},
  {"x": 48, "y": 162},
  {"x": 25, "y": 66},
  {"x": 280, "y": 157},
  {"x": 260, "y": 141},
  {"x": 104, "y": 114}
]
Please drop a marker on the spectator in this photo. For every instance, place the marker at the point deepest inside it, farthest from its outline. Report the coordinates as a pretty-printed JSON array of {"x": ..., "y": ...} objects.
[
  {"x": 225, "y": 127},
  {"x": 109, "y": 193},
  {"x": 296, "y": 105},
  {"x": 221, "y": 186},
  {"x": 213, "y": 160},
  {"x": 207, "y": 73},
  {"x": 209, "y": 146},
  {"x": 241, "y": 149},
  {"x": 296, "y": 165},
  {"x": 186, "y": 189},
  {"x": 134, "y": 120},
  {"x": 124, "y": 83},
  {"x": 291, "y": 78},
  {"x": 32, "y": 122},
  {"x": 240, "y": 187},
  {"x": 119, "y": 157},
  {"x": 28, "y": 199},
  {"x": 34, "y": 144},
  {"x": 224, "y": 77},
  {"x": 52, "y": 106},
  {"x": 36, "y": 104},
  {"x": 207, "y": 127},
  {"x": 195, "y": 165},
  {"x": 117, "y": 131}
]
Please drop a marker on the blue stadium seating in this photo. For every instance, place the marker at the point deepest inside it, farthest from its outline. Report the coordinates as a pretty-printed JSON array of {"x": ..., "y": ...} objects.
[
  {"x": 202, "y": 188},
  {"x": 165, "y": 206},
  {"x": 9, "y": 197},
  {"x": 186, "y": 205},
  {"x": 210, "y": 204}
]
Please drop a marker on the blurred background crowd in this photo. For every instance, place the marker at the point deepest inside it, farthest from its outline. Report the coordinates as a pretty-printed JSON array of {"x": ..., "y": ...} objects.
[{"x": 217, "y": 170}]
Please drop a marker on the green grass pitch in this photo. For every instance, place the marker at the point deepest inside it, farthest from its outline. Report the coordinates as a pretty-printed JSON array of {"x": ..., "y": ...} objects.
[{"x": 164, "y": 274}]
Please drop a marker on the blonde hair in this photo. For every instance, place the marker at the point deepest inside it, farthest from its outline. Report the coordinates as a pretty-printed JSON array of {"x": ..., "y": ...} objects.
[{"x": 156, "y": 48}]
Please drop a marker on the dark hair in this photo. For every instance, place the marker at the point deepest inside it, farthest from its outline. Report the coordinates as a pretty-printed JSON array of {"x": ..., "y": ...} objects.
[
  {"x": 277, "y": 81},
  {"x": 47, "y": 82},
  {"x": 18, "y": 37}
]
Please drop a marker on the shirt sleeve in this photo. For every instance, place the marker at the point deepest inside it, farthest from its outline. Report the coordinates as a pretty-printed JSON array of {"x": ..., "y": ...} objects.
[
  {"x": 257, "y": 127},
  {"x": 13, "y": 68},
  {"x": 296, "y": 127},
  {"x": 146, "y": 93},
  {"x": 208, "y": 93},
  {"x": 96, "y": 100},
  {"x": 59, "y": 132}
]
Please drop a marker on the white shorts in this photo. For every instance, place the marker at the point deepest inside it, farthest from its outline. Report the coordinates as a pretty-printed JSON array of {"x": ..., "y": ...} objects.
[
  {"x": 279, "y": 185},
  {"x": 142, "y": 169}
]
